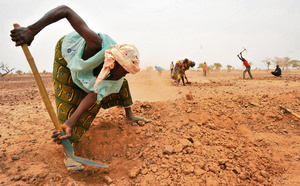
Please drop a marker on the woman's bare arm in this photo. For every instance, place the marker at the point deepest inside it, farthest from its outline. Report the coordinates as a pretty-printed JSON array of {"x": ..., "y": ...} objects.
[
  {"x": 84, "y": 105},
  {"x": 26, "y": 35}
]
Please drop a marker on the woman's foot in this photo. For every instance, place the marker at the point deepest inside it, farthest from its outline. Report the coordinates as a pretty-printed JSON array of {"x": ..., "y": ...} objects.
[
  {"x": 136, "y": 120},
  {"x": 131, "y": 118}
]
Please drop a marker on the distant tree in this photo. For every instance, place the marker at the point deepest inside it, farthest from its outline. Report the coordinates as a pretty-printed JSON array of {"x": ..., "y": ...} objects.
[
  {"x": 277, "y": 61},
  {"x": 210, "y": 67},
  {"x": 218, "y": 66},
  {"x": 200, "y": 65},
  {"x": 5, "y": 69},
  {"x": 286, "y": 62},
  {"x": 295, "y": 64},
  {"x": 19, "y": 72},
  {"x": 229, "y": 67},
  {"x": 267, "y": 62}
]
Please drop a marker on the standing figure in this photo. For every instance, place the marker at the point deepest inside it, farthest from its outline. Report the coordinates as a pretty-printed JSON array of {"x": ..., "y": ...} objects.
[
  {"x": 171, "y": 67},
  {"x": 246, "y": 64},
  {"x": 204, "y": 69}
]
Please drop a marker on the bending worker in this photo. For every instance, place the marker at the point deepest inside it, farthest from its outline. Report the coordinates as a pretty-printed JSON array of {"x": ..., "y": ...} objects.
[
  {"x": 88, "y": 72},
  {"x": 179, "y": 70}
]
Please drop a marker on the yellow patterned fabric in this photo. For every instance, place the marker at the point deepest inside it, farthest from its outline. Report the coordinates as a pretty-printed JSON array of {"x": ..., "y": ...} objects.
[
  {"x": 68, "y": 97},
  {"x": 180, "y": 67}
]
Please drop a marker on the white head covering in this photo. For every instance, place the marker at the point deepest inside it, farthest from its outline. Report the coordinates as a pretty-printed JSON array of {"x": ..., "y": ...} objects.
[{"x": 127, "y": 55}]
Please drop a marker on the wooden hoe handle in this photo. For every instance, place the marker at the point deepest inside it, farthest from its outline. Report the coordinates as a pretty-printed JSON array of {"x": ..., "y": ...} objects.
[{"x": 40, "y": 85}]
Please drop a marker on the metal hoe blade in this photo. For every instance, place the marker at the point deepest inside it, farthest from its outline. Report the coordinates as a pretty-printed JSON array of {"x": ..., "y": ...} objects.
[{"x": 70, "y": 150}]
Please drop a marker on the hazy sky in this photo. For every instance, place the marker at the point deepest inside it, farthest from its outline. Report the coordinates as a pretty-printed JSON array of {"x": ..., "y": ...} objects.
[{"x": 214, "y": 31}]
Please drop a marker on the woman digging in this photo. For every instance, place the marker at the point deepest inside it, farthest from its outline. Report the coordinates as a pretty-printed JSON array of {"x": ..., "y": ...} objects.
[{"x": 88, "y": 74}]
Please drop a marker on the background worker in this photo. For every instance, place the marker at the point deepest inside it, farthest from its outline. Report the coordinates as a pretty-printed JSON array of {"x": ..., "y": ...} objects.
[
  {"x": 171, "y": 67},
  {"x": 159, "y": 69},
  {"x": 179, "y": 70},
  {"x": 204, "y": 69},
  {"x": 187, "y": 64},
  {"x": 277, "y": 71},
  {"x": 246, "y": 64}
]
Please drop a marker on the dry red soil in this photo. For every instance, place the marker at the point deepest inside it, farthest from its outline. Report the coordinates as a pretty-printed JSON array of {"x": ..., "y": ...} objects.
[{"x": 218, "y": 130}]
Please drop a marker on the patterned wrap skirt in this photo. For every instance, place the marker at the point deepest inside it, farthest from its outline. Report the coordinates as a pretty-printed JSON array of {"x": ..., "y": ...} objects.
[{"x": 68, "y": 97}]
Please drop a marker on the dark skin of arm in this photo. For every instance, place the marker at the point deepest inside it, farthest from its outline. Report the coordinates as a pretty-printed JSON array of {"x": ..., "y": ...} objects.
[
  {"x": 241, "y": 57},
  {"x": 22, "y": 35},
  {"x": 26, "y": 35}
]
